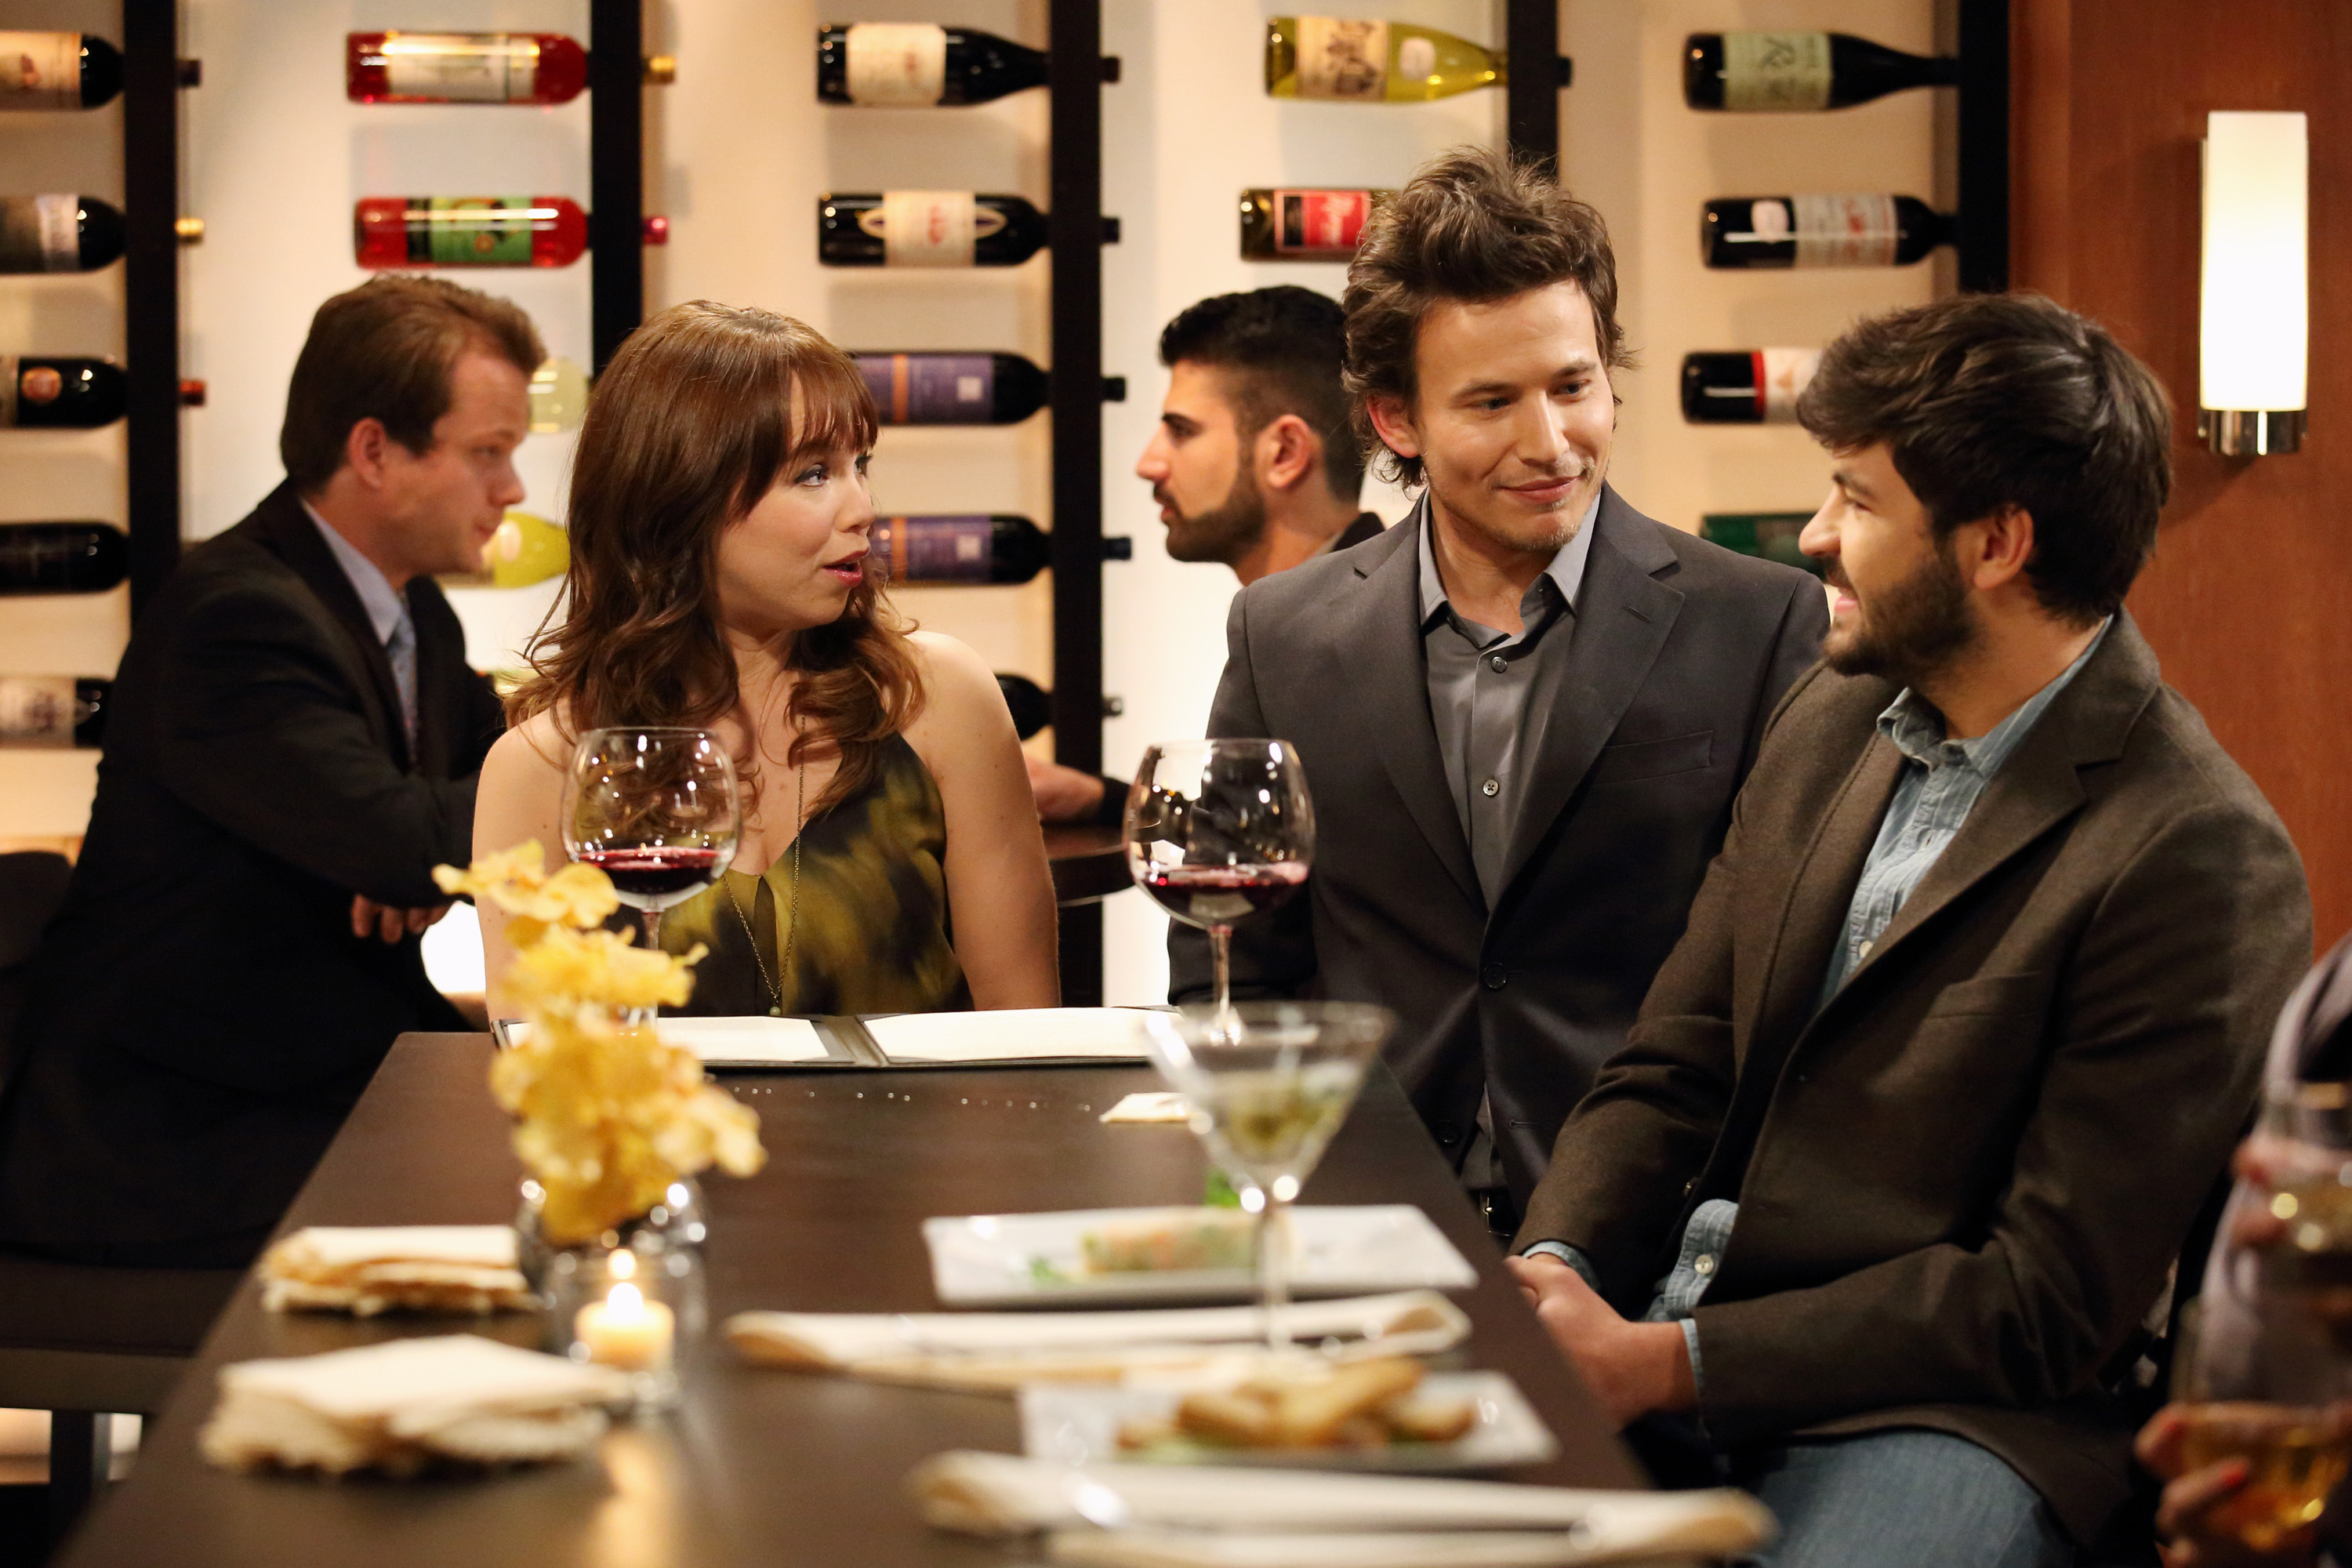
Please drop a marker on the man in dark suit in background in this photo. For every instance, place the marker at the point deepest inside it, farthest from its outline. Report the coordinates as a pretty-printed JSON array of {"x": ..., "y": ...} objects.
[
  {"x": 1524, "y": 711},
  {"x": 1253, "y": 465},
  {"x": 1888, "y": 1184},
  {"x": 293, "y": 746}
]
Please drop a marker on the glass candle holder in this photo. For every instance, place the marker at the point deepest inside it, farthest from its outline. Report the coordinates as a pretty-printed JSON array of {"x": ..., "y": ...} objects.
[{"x": 635, "y": 1304}]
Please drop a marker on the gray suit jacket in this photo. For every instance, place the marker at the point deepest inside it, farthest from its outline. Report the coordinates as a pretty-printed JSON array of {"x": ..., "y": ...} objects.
[
  {"x": 1680, "y": 651},
  {"x": 1962, "y": 1184}
]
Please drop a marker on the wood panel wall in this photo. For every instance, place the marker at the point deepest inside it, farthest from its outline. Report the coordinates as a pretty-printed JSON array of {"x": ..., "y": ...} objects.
[{"x": 2248, "y": 600}]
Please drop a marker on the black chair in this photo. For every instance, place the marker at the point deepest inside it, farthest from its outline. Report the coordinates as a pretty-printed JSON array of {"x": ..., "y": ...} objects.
[{"x": 83, "y": 1342}]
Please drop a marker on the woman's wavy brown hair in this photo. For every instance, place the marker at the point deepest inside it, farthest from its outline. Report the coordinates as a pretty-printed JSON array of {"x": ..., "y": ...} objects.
[{"x": 696, "y": 416}]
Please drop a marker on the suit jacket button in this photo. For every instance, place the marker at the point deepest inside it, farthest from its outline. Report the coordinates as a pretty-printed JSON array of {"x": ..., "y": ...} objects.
[{"x": 1496, "y": 977}]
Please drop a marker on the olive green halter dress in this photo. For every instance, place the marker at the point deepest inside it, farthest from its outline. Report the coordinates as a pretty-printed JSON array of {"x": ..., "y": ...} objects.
[{"x": 874, "y": 934}]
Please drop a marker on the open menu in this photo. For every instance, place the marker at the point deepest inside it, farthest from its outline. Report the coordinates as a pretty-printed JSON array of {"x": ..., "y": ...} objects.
[
  {"x": 752, "y": 1042},
  {"x": 1030, "y": 1037}
]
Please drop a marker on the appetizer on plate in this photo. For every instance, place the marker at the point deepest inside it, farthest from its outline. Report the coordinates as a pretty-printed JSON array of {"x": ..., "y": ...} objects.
[{"x": 1360, "y": 1405}]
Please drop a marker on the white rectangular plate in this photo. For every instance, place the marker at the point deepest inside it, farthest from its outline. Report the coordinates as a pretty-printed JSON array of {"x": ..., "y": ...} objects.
[
  {"x": 1077, "y": 1424},
  {"x": 1011, "y": 1035},
  {"x": 748, "y": 1042},
  {"x": 1033, "y": 1259}
]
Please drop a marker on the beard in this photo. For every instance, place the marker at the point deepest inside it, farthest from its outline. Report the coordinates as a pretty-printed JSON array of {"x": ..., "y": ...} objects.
[
  {"x": 1910, "y": 629},
  {"x": 1224, "y": 534}
]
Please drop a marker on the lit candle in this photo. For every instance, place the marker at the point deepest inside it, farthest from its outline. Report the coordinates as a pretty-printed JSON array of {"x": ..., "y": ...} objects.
[{"x": 626, "y": 1330}]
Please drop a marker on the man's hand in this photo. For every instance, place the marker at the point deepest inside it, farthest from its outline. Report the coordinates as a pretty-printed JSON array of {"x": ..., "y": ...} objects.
[
  {"x": 389, "y": 921},
  {"x": 1632, "y": 1368},
  {"x": 1063, "y": 794},
  {"x": 2195, "y": 1514}
]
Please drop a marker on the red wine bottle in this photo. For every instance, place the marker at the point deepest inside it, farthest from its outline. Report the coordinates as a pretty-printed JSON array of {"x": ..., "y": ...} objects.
[
  {"x": 1304, "y": 226},
  {"x": 52, "y": 710},
  {"x": 926, "y": 228},
  {"x": 1784, "y": 72},
  {"x": 50, "y": 392},
  {"x": 917, "y": 64},
  {"x": 1031, "y": 705},
  {"x": 952, "y": 389},
  {"x": 1746, "y": 387},
  {"x": 994, "y": 549},
  {"x": 61, "y": 557},
  {"x": 62, "y": 233},
  {"x": 58, "y": 70},
  {"x": 475, "y": 231},
  {"x": 1754, "y": 232},
  {"x": 473, "y": 68}
]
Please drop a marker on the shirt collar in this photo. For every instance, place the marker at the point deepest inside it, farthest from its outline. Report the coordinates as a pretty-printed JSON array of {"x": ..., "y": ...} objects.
[
  {"x": 1565, "y": 571},
  {"x": 1916, "y": 729},
  {"x": 385, "y": 609}
]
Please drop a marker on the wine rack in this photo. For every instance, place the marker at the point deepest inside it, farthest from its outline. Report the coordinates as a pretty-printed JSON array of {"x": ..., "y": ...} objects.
[
  {"x": 1529, "y": 30},
  {"x": 616, "y": 175},
  {"x": 151, "y": 80},
  {"x": 1983, "y": 239}
]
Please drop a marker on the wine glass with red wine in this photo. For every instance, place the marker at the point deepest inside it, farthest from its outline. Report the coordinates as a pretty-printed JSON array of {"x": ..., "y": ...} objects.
[
  {"x": 1219, "y": 832},
  {"x": 654, "y": 809}
]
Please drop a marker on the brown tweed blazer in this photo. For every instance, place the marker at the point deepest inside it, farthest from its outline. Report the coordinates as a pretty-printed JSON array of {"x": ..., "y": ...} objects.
[{"x": 1963, "y": 1183}]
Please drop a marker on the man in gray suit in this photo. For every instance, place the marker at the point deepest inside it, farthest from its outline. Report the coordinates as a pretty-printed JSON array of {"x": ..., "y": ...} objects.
[{"x": 1523, "y": 712}]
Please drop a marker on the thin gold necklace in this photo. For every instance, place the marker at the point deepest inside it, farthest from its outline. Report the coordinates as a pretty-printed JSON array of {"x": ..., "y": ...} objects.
[{"x": 792, "y": 922}]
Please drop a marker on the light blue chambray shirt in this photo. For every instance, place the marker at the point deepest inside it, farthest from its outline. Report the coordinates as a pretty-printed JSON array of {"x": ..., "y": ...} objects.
[
  {"x": 1942, "y": 779},
  {"x": 387, "y": 612}
]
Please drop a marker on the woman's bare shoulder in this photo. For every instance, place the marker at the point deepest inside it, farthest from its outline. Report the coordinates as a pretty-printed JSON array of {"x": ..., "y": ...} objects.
[{"x": 539, "y": 742}]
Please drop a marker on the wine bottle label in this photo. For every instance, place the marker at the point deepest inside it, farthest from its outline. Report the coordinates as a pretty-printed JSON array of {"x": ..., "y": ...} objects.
[
  {"x": 470, "y": 231},
  {"x": 897, "y": 64},
  {"x": 1845, "y": 231},
  {"x": 1416, "y": 58},
  {"x": 931, "y": 389},
  {"x": 928, "y": 229},
  {"x": 936, "y": 549},
  {"x": 40, "y": 234},
  {"x": 1781, "y": 376},
  {"x": 1769, "y": 72},
  {"x": 41, "y": 70},
  {"x": 463, "y": 67},
  {"x": 36, "y": 710},
  {"x": 1343, "y": 59},
  {"x": 1319, "y": 223}
]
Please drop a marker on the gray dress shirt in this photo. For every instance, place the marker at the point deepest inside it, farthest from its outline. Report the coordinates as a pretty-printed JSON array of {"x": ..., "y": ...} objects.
[
  {"x": 387, "y": 612},
  {"x": 1479, "y": 681}
]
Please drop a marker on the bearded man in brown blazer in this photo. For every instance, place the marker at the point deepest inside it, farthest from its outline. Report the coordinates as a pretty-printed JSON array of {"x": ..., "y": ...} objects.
[{"x": 1897, "y": 1162}]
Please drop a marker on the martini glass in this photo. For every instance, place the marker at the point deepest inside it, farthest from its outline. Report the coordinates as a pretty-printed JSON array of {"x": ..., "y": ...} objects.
[{"x": 1269, "y": 1084}]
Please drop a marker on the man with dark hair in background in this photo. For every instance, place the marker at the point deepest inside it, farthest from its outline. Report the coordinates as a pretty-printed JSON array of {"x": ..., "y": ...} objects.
[
  {"x": 1525, "y": 710},
  {"x": 1253, "y": 465},
  {"x": 292, "y": 745},
  {"x": 1888, "y": 1184}
]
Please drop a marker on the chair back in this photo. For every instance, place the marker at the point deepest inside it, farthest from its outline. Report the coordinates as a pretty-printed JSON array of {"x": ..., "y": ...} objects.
[{"x": 32, "y": 890}]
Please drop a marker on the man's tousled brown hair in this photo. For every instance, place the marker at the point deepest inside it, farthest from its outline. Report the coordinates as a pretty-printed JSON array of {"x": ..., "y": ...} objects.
[
  {"x": 383, "y": 350},
  {"x": 693, "y": 422},
  {"x": 1988, "y": 401},
  {"x": 1472, "y": 224}
]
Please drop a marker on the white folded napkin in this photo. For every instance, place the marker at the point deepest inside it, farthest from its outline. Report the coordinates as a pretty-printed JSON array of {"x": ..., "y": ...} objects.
[
  {"x": 1155, "y": 1105},
  {"x": 1015, "y": 1034},
  {"x": 403, "y": 1404},
  {"x": 1297, "y": 1518},
  {"x": 367, "y": 1270},
  {"x": 1001, "y": 1350},
  {"x": 745, "y": 1042}
]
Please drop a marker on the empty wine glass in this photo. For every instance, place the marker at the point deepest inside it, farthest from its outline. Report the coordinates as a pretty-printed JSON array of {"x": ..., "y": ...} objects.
[
  {"x": 1218, "y": 832},
  {"x": 655, "y": 810},
  {"x": 1267, "y": 1084}
]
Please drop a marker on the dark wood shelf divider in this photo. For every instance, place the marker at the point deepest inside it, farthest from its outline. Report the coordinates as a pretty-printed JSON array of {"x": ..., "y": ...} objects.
[
  {"x": 617, "y": 173},
  {"x": 1529, "y": 30},
  {"x": 1075, "y": 233},
  {"x": 1983, "y": 239},
  {"x": 151, "y": 287}
]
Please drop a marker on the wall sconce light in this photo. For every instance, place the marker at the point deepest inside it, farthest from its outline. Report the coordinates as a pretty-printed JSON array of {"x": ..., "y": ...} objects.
[{"x": 2254, "y": 310}]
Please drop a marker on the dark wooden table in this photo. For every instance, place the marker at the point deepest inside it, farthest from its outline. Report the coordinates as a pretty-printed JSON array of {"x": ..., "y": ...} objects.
[
  {"x": 1089, "y": 863},
  {"x": 756, "y": 1466}
]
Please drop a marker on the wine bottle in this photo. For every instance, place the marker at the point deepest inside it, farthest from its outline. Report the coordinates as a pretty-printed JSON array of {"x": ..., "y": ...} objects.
[
  {"x": 1739, "y": 232},
  {"x": 1785, "y": 72},
  {"x": 559, "y": 397},
  {"x": 525, "y": 550},
  {"x": 926, "y": 228},
  {"x": 1770, "y": 534},
  {"x": 61, "y": 557},
  {"x": 1304, "y": 226},
  {"x": 997, "y": 549},
  {"x": 475, "y": 231},
  {"x": 472, "y": 68},
  {"x": 48, "y": 392},
  {"x": 58, "y": 70},
  {"x": 919, "y": 64},
  {"x": 952, "y": 389},
  {"x": 52, "y": 710},
  {"x": 64, "y": 233},
  {"x": 1378, "y": 62},
  {"x": 1031, "y": 705},
  {"x": 1746, "y": 387}
]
